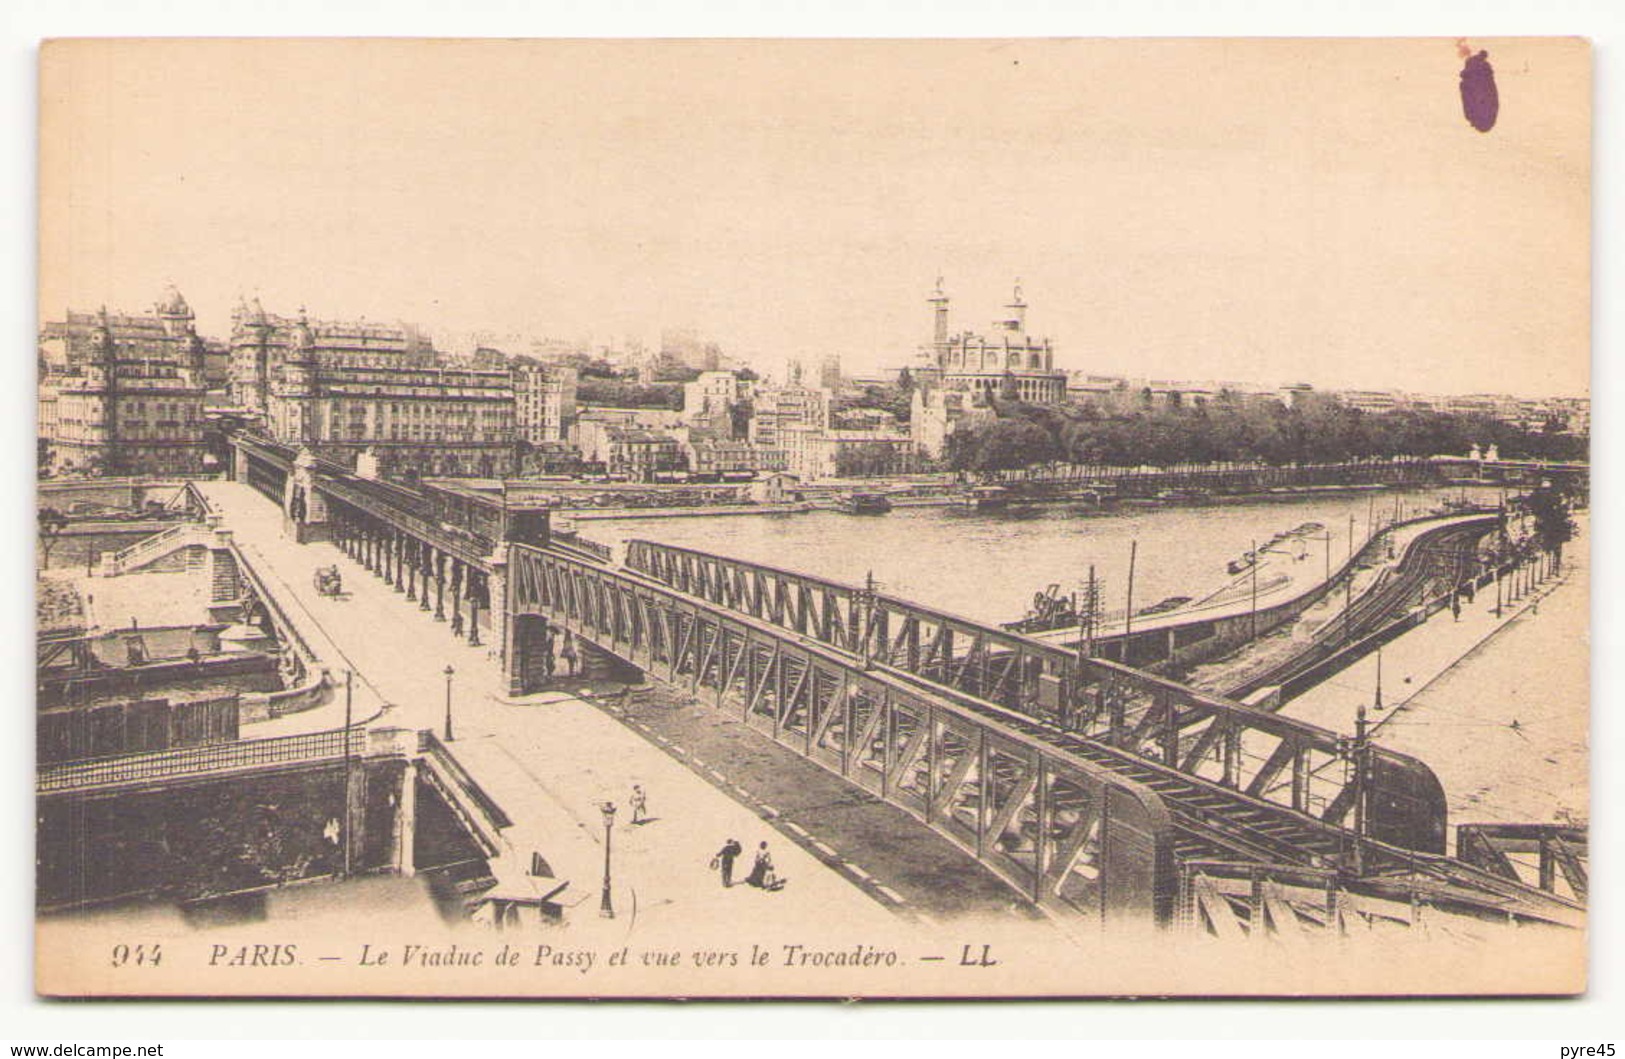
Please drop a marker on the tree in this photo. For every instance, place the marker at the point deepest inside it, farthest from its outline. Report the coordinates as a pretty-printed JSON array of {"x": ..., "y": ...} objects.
[
  {"x": 51, "y": 524},
  {"x": 867, "y": 458},
  {"x": 1001, "y": 445},
  {"x": 1553, "y": 526},
  {"x": 891, "y": 398},
  {"x": 617, "y": 393}
]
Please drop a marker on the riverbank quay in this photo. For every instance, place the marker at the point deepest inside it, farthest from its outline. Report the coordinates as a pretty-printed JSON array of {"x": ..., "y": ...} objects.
[
  {"x": 1338, "y": 622},
  {"x": 1261, "y": 608},
  {"x": 824, "y": 496},
  {"x": 599, "y": 514},
  {"x": 1497, "y": 705}
]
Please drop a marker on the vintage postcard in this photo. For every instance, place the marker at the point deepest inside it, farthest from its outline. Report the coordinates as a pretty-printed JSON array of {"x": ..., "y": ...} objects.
[{"x": 973, "y": 518}]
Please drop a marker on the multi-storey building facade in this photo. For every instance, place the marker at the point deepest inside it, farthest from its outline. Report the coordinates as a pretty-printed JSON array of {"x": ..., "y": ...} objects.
[
  {"x": 642, "y": 455},
  {"x": 591, "y": 431},
  {"x": 415, "y": 420},
  {"x": 775, "y": 408},
  {"x": 544, "y": 398},
  {"x": 127, "y": 392},
  {"x": 711, "y": 458},
  {"x": 812, "y": 453},
  {"x": 345, "y": 389},
  {"x": 261, "y": 343},
  {"x": 709, "y": 402}
]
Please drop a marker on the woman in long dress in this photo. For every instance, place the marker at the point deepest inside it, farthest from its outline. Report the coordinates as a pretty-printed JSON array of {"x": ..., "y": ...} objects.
[{"x": 761, "y": 872}]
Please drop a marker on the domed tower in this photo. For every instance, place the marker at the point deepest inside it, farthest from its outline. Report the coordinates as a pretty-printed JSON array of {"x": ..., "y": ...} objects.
[
  {"x": 298, "y": 387},
  {"x": 103, "y": 353},
  {"x": 180, "y": 326},
  {"x": 100, "y": 395},
  {"x": 175, "y": 314},
  {"x": 251, "y": 356}
]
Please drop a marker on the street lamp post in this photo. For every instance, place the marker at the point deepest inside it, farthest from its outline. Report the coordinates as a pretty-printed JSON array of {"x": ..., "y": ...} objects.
[
  {"x": 1252, "y": 624},
  {"x": 450, "y": 672},
  {"x": 605, "y": 907}
]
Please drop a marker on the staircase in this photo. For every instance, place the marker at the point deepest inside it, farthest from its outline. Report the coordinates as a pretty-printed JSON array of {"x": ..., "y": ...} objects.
[{"x": 197, "y": 541}]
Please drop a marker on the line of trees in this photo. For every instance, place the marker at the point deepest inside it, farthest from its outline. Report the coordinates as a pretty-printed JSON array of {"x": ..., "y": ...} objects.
[
  {"x": 1231, "y": 427},
  {"x": 622, "y": 393}
]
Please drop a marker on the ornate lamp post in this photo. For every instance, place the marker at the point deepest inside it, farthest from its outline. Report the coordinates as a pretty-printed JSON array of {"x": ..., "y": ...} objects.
[
  {"x": 450, "y": 672},
  {"x": 605, "y": 907}
]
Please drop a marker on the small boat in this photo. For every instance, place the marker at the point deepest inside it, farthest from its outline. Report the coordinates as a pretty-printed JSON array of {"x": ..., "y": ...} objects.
[
  {"x": 987, "y": 498},
  {"x": 1242, "y": 565},
  {"x": 863, "y": 504}
]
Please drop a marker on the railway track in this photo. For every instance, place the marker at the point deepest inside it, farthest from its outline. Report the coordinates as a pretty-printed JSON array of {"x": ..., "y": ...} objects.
[{"x": 1373, "y": 611}]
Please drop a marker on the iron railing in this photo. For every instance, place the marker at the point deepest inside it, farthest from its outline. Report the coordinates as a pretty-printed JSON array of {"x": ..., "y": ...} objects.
[{"x": 126, "y": 769}]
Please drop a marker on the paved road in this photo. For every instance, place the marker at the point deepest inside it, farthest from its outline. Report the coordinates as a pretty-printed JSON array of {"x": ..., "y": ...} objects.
[
  {"x": 881, "y": 847},
  {"x": 550, "y": 760}
]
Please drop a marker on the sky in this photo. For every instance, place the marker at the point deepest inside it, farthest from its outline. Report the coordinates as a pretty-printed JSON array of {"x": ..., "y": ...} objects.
[{"x": 1267, "y": 211}]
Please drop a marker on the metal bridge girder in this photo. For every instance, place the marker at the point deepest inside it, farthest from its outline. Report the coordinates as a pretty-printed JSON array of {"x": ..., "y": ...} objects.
[{"x": 1123, "y": 708}]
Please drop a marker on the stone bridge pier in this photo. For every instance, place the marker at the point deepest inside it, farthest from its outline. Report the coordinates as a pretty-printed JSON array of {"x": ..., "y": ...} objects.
[
  {"x": 304, "y": 508},
  {"x": 532, "y": 640}
]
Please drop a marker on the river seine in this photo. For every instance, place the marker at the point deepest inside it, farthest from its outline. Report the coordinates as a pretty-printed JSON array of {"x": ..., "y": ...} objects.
[{"x": 987, "y": 566}]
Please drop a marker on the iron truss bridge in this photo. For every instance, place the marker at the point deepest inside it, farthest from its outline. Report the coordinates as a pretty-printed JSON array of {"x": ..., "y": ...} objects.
[{"x": 1093, "y": 789}]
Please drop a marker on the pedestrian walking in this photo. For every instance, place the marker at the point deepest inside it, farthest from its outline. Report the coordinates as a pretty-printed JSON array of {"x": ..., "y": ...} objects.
[
  {"x": 569, "y": 652},
  {"x": 724, "y": 860},
  {"x": 640, "y": 804}
]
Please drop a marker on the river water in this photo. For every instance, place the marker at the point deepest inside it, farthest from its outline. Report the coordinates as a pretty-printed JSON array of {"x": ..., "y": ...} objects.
[{"x": 988, "y": 565}]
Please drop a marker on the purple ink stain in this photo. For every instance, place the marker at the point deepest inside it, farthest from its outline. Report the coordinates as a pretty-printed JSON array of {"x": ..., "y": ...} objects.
[{"x": 1480, "y": 102}]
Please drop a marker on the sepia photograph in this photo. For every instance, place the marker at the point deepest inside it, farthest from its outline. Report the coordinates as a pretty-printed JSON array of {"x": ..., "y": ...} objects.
[{"x": 769, "y": 518}]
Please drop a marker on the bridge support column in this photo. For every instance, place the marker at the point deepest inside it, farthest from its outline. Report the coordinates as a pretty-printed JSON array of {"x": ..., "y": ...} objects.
[
  {"x": 403, "y": 835},
  {"x": 496, "y": 599},
  {"x": 411, "y": 562},
  {"x": 424, "y": 562},
  {"x": 475, "y": 588},
  {"x": 439, "y": 562},
  {"x": 457, "y": 598},
  {"x": 524, "y": 660},
  {"x": 355, "y": 813}
]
